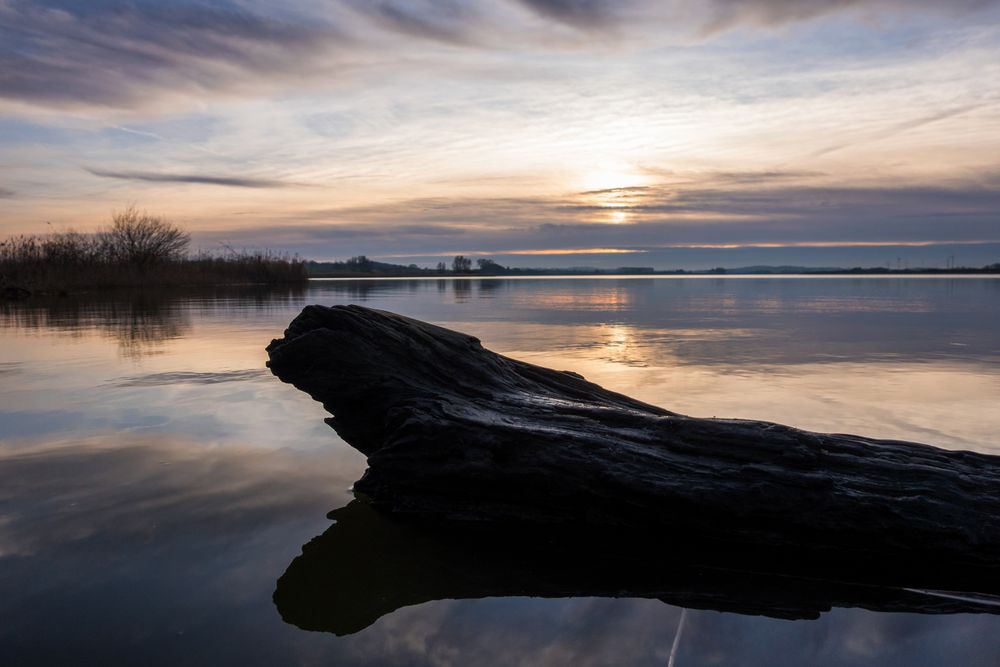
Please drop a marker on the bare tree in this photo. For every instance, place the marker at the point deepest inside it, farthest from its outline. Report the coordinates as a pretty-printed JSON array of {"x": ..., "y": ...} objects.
[
  {"x": 461, "y": 264},
  {"x": 142, "y": 240}
]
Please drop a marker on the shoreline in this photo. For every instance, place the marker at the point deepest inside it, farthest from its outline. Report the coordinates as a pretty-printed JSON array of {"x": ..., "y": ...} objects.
[{"x": 667, "y": 276}]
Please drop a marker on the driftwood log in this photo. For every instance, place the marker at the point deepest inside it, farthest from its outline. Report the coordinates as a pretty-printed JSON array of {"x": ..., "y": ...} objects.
[{"x": 455, "y": 433}]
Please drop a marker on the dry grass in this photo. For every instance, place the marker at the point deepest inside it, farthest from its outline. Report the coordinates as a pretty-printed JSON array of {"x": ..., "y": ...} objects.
[{"x": 136, "y": 249}]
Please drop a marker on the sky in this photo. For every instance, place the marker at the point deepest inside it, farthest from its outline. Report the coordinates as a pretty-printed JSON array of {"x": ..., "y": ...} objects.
[{"x": 537, "y": 132}]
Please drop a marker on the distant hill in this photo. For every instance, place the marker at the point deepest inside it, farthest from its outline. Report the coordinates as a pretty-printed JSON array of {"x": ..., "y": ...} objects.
[
  {"x": 365, "y": 268},
  {"x": 785, "y": 269}
]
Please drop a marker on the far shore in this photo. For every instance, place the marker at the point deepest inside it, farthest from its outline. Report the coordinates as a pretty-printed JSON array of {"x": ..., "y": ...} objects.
[
  {"x": 666, "y": 276},
  {"x": 362, "y": 267}
]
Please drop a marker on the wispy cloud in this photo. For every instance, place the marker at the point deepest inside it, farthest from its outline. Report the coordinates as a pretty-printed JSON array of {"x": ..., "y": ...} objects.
[
  {"x": 588, "y": 14},
  {"x": 448, "y": 21},
  {"x": 134, "y": 54},
  {"x": 726, "y": 14},
  {"x": 898, "y": 128},
  {"x": 713, "y": 16},
  {"x": 707, "y": 213},
  {"x": 562, "y": 251},
  {"x": 126, "y": 54},
  {"x": 198, "y": 179},
  {"x": 5, "y": 193}
]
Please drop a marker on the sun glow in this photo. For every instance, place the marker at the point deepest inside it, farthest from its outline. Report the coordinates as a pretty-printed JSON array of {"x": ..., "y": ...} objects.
[
  {"x": 610, "y": 176},
  {"x": 610, "y": 189}
]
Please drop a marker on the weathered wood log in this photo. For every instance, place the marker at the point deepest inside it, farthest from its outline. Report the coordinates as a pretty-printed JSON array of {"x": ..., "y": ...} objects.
[
  {"x": 369, "y": 564},
  {"x": 455, "y": 432}
]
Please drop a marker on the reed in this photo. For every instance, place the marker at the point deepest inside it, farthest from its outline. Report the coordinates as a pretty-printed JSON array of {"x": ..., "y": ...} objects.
[{"x": 136, "y": 249}]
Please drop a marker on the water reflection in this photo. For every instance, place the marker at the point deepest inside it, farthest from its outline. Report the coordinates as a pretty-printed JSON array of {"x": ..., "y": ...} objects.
[
  {"x": 176, "y": 362},
  {"x": 790, "y": 320},
  {"x": 155, "y": 481},
  {"x": 462, "y": 290},
  {"x": 128, "y": 549},
  {"x": 127, "y": 488},
  {"x": 192, "y": 377},
  {"x": 775, "y": 321},
  {"x": 139, "y": 321},
  {"x": 368, "y": 565}
]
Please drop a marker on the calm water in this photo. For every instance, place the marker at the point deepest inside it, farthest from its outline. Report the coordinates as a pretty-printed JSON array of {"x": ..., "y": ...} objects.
[{"x": 155, "y": 480}]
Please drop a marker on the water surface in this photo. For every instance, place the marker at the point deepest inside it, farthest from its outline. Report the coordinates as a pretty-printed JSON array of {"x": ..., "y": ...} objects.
[{"x": 155, "y": 480}]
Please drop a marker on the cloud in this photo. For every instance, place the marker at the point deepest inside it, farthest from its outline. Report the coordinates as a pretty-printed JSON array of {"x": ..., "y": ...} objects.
[
  {"x": 726, "y": 14},
  {"x": 588, "y": 14},
  {"x": 438, "y": 20},
  {"x": 143, "y": 54},
  {"x": 816, "y": 202},
  {"x": 120, "y": 54},
  {"x": 5, "y": 193},
  {"x": 725, "y": 209},
  {"x": 715, "y": 16},
  {"x": 900, "y": 128},
  {"x": 199, "y": 179}
]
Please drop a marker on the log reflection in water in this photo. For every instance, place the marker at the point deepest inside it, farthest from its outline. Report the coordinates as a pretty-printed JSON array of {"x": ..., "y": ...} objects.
[{"x": 368, "y": 565}]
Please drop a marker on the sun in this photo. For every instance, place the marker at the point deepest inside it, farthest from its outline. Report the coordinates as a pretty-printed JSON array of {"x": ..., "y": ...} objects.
[
  {"x": 607, "y": 178},
  {"x": 610, "y": 190}
]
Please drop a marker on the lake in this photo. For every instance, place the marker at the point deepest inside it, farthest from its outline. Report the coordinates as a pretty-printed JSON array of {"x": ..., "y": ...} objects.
[{"x": 156, "y": 480}]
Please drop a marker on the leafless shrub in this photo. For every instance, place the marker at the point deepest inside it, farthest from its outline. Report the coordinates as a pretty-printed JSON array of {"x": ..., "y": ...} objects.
[
  {"x": 142, "y": 240},
  {"x": 137, "y": 248}
]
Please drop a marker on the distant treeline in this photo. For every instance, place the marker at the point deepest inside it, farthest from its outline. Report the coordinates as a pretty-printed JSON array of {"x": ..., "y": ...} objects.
[
  {"x": 135, "y": 249},
  {"x": 989, "y": 268},
  {"x": 362, "y": 267}
]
